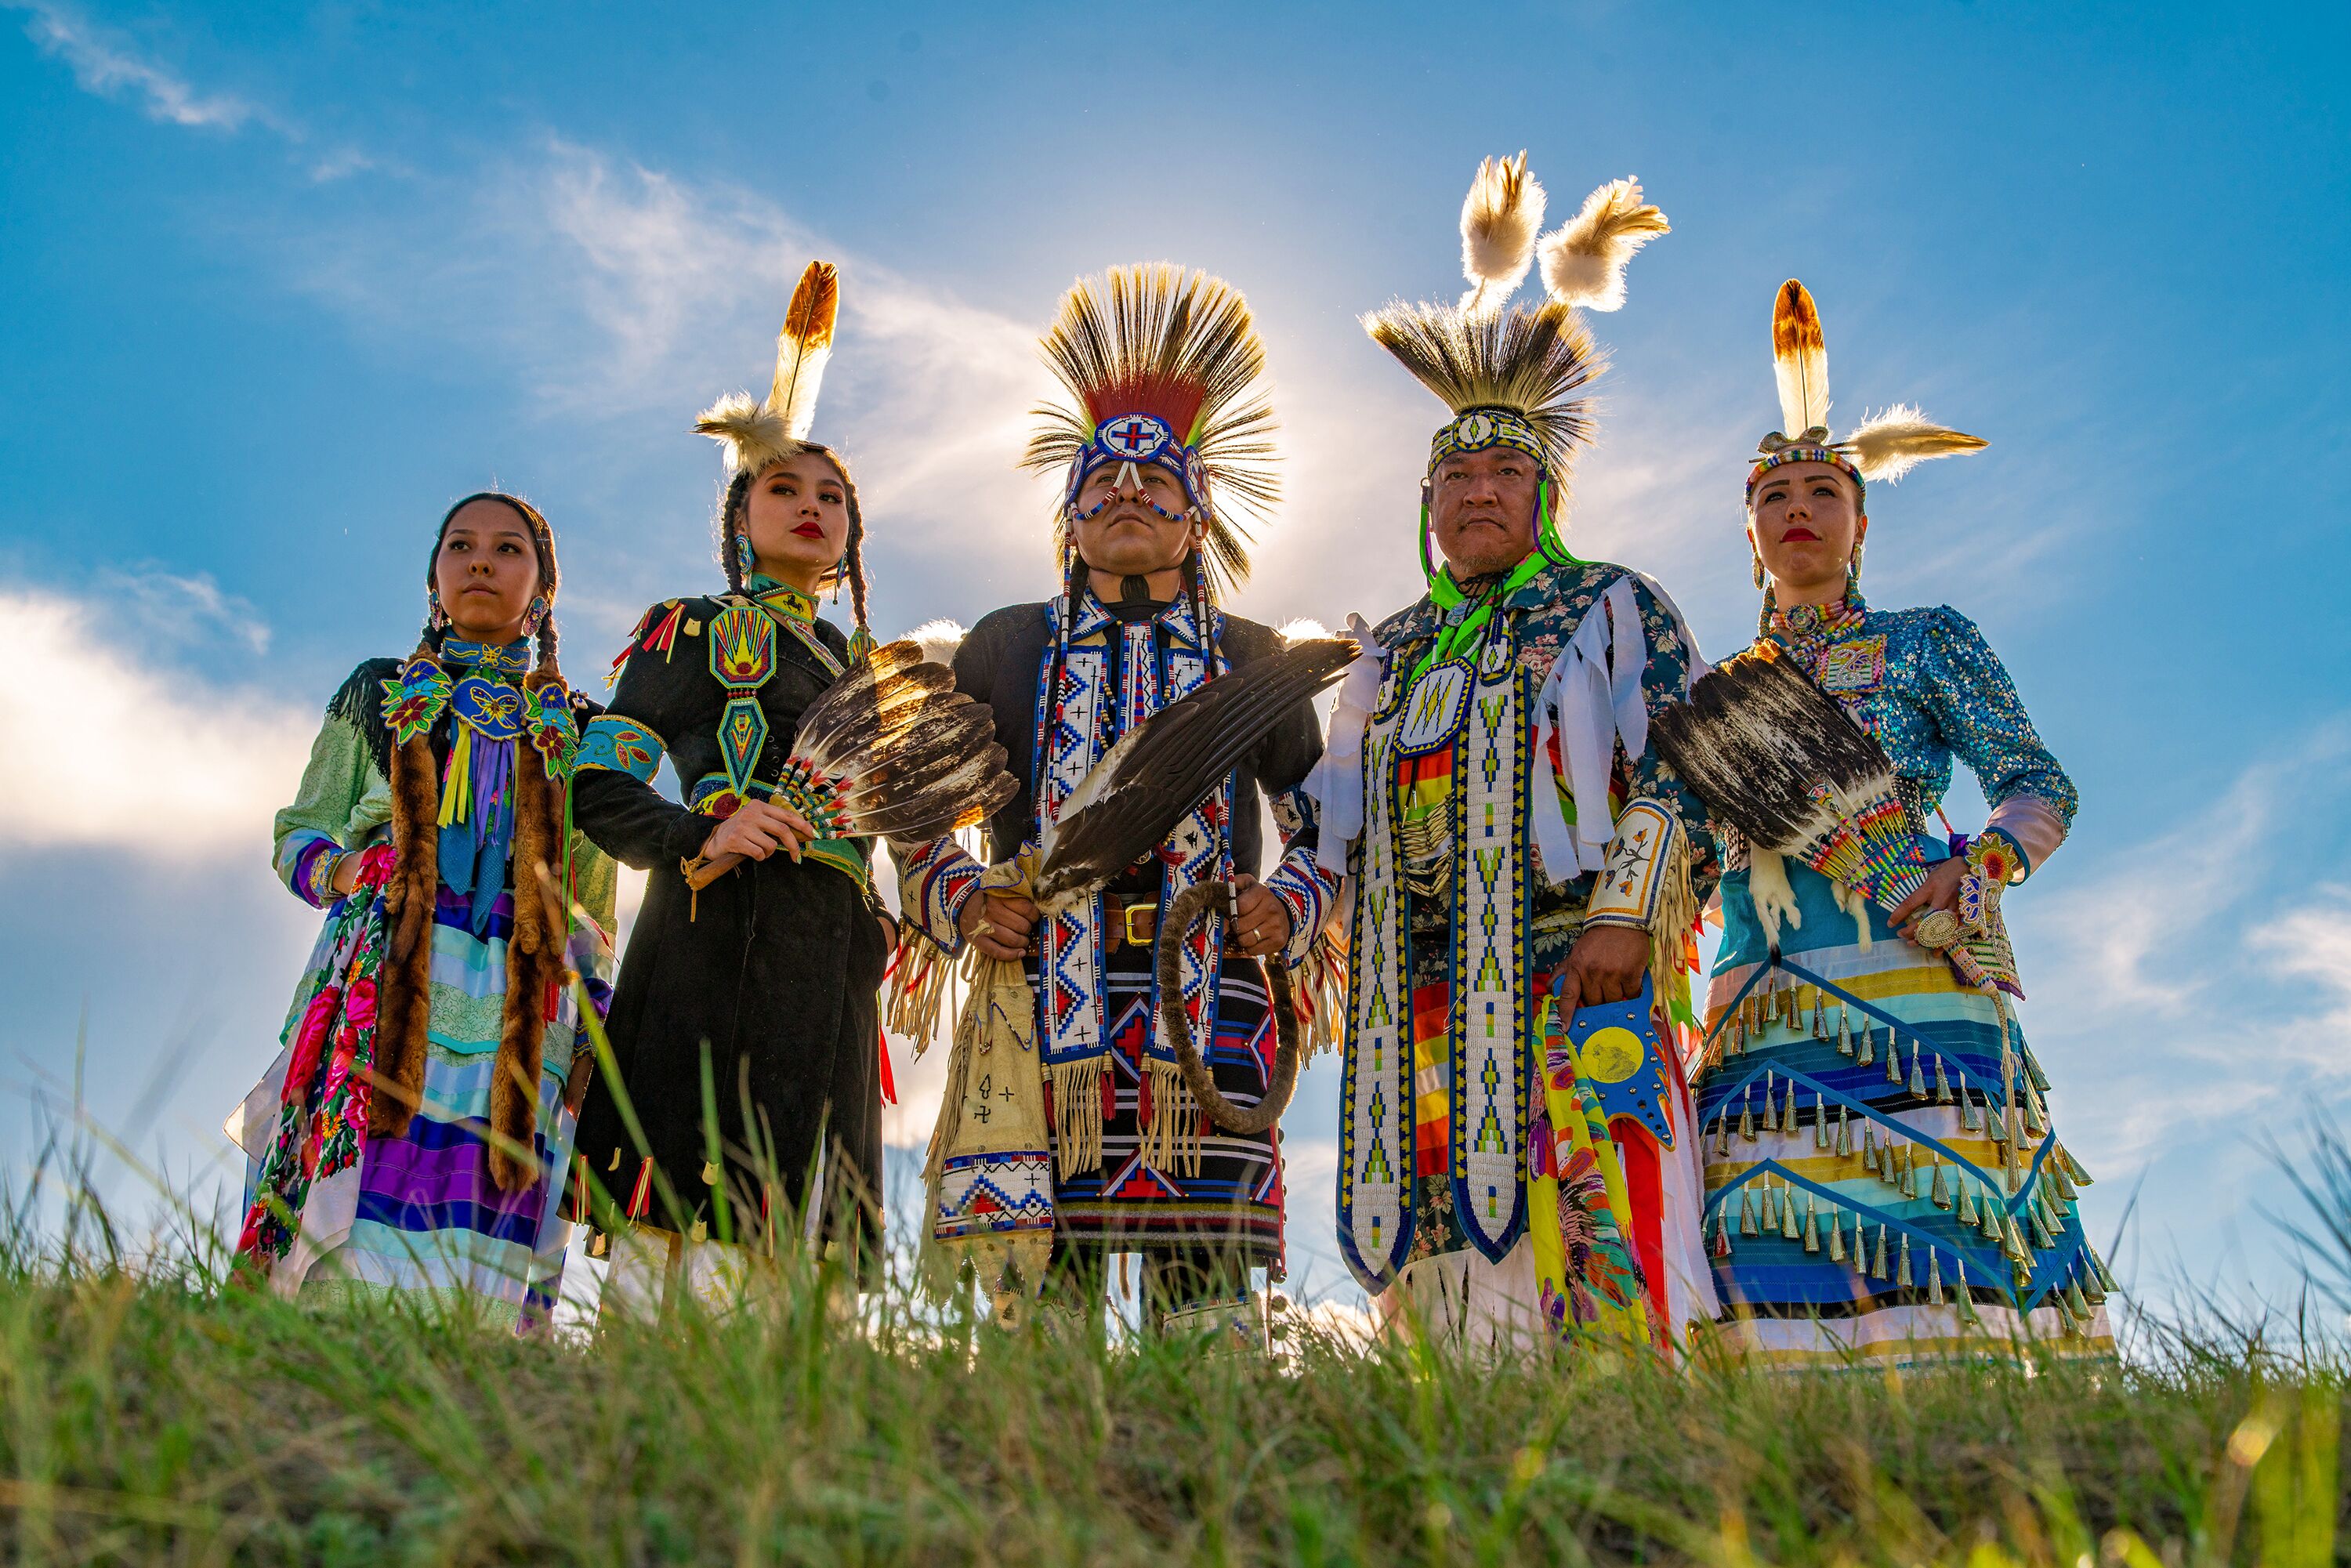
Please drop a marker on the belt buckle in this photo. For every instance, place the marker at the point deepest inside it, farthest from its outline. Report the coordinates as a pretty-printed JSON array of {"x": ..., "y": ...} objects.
[{"x": 1150, "y": 911}]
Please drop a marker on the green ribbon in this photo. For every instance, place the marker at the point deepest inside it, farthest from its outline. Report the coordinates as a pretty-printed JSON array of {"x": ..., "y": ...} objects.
[{"x": 1463, "y": 638}]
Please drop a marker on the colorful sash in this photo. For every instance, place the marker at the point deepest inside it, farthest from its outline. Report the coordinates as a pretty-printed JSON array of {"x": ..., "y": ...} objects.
[{"x": 1075, "y": 726}]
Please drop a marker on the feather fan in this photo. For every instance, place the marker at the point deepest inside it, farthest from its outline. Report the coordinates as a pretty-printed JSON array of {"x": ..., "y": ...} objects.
[
  {"x": 757, "y": 433},
  {"x": 1801, "y": 356},
  {"x": 890, "y": 751},
  {"x": 1161, "y": 769},
  {"x": 1892, "y": 444},
  {"x": 1780, "y": 761},
  {"x": 1535, "y": 362},
  {"x": 1500, "y": 219},
  {"x": 1583, "y": 261}
]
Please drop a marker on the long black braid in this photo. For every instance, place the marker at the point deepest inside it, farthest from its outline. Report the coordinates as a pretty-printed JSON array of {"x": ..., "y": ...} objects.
[
  {"x": 550, "y": 575},
  {"x": 850, "y": 570}
]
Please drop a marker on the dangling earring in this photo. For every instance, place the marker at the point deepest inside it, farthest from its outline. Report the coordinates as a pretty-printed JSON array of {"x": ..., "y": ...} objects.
[
  {"x": 1853, "y": 571},
  {"x": 535, "y": 616},
  {"x": 744, "y": 558},
  {"x": 1759, "y": 567},
  {"x": 439, "y": 617}
]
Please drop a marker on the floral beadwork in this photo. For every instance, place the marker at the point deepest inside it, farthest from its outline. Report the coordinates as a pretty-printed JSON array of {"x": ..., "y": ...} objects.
[
  {"x": 554, "y": 733},
  {"x": 413, "y": 701}
]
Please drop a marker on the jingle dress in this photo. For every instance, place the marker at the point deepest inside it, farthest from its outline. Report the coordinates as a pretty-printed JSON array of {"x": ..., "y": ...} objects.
[
  {"x": 1858, "y": 1201},
  {"x": 745, "y": 1023},
  {"x": 1105, "y": 1049},
  {"x": 335, "y": 1211},
  {"x": 1480, "y": 1182}
]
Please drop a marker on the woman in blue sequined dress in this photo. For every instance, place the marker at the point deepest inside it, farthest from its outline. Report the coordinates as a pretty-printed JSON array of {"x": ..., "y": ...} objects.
[{"x": 1884, "y": 1182}]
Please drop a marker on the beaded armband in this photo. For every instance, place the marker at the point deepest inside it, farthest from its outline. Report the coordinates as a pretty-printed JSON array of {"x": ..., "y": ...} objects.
[
  {"x": 620, "y": 746},
  {"x": 1630, "y": 884}
]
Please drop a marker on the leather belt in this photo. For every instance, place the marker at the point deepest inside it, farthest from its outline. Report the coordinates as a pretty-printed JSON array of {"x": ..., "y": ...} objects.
[{"x": 1129, "y": 922}]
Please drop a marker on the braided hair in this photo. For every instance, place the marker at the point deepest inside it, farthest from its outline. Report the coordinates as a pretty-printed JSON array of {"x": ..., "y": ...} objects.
[
  {"x": 550, "y": 575},
  {"x": 734, "y": 511}
]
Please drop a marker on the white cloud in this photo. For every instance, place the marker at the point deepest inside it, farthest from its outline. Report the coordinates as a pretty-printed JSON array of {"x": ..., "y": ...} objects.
[
  {"x": 105, "y": 750},
  {"x": 183, "y": 609},
  {"x": 104, "y": 63},
  {"x": 2313, "y": 944}
]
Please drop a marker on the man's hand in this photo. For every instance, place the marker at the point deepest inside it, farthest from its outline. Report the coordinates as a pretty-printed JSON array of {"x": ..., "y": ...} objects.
[
  {"x": 1604, "y": 966},
  {"x": 1260, "y": 923},
  {"x": 1940, "y": 891},
  {"x": 756, "y": 829},
  {"x": 998, "y": 923}
]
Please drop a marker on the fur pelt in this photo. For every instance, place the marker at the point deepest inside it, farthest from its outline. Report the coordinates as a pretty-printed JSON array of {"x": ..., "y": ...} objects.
[
  {"x": 1584, "y": 260},
  {"x": 534, "y": 954}
]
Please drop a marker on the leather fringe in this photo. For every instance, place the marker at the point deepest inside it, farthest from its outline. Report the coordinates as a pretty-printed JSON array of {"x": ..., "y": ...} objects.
[{"x": 1077, "y": 1113}]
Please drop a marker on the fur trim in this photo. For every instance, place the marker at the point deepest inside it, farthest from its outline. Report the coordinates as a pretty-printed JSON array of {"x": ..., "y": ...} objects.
[
  {"x": 403, "y": 990},
  {"x": 1891, "y": 444},
  {"x": 1584, "y": 260},
  {"x": 1800, "y": 357},
  {"x": 534, "y": 964},
  {"x": 1500, "y": 219}
]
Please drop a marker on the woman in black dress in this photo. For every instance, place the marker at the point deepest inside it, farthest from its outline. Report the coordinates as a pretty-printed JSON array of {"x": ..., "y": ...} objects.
[{"x": 745, "y": 1028}]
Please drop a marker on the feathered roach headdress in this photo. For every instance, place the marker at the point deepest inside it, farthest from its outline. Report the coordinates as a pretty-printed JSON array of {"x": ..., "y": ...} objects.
[
  {"x": 1513, "y": 376},
  {"x": 1164, "y": 367},
  {"x": 1884, "y": 447}
]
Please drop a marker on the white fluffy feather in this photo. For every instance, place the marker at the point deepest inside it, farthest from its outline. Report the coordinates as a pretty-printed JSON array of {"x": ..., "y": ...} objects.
[
  {"x": 939, "y": 640},
  {"x": 1305, "y": 630},
  {"x": 1584, "y": 260},
  {"x": 1500, "y": 219},
  {"x": 1888, "y": 446}
]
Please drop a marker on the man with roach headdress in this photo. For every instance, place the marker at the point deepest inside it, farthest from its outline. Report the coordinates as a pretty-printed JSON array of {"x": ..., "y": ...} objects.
[
  {"x": 1164, "y": 447},
  {"x": 1518, "y": 851}
]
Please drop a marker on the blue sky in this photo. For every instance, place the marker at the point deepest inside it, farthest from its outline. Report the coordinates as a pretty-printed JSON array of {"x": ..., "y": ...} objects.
[{"x": 279, "y": 282}]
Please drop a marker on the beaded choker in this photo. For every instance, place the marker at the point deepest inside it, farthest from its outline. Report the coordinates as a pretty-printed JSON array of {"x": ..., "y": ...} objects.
[
  {"x": 782, "y": 597},
  {"x": 513, "y": 659}
]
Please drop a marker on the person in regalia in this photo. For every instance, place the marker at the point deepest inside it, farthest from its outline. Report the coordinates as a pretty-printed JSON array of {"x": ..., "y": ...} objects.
[
  {"x": 413, "y": 1136},
  {"x": 1515, "y": 851},
  {"x": 1163, "y": 453},
  {"x": 745, "y": 1111},
  {"x": 1883, "y": 1181}
]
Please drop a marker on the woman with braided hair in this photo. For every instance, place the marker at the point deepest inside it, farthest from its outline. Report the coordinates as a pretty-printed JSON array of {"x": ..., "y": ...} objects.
[
  {"x": 413, "y": 1133},
  {"x": 746, "y": 1029}
]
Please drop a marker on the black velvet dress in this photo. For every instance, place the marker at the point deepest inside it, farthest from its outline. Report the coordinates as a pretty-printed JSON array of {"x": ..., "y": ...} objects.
[{"x": 752, "y": 1003}]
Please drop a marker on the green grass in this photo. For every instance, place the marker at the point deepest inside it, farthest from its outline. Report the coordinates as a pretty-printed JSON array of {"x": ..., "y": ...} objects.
[{"x": 147, "y": 1416}]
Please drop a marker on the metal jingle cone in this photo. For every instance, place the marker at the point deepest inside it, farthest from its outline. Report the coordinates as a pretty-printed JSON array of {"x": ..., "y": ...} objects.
[
  {"x": 1902, "y": 1270},
  {"x": 1820, "y": 1014},
  {"x": 1722, "y": 1232},
  {"x": 1845, "y": 1030},
  {"x": 1788, "y": 1227},
  {"x": 1877, "y": 1264},
  {"x": 1942, "y": 1083},
  {"x": 1968, "y": 1216},
  {"x": 1968, "y": 1120},
  {"x": 1940, "y": 1195},
  {"x": 1788, "y": 1124},
  {"x": 1812, "y": 1224},
  {"x": 1836, "y": 1236},
  {"x": 1746, "y": 1211},
  {"x": 1917, "y": 1077},
  {"x": 1865, "y": 1039},
  {"x": 1747, "y": 1113},
  {"x": 1768, "y": 1201},
  {"x": 1934, "y": 1277},
  {"x": 1844, "y": 1131},
  {"x": 1722, "y": 1132},
  {"x": 1869, "y": 1147},
  {"x": 1892, "y": 1057},
  {"x": 2080, "y": 1303},
  {"x": 1967, "y": 1298},
  {"x": 1821, "y": 1121}
]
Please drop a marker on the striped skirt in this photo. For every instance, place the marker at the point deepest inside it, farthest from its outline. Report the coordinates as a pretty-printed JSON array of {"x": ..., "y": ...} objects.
[
  {"x": 419, "y": 1214},
  {"x": 1883, "y": 1180}
]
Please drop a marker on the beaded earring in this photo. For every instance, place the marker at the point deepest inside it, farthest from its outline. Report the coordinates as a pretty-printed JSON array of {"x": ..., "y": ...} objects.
[
  {"x": 1853, "y": 569},
  {"x": 1759, "y": 569},
  {"x": 439, "y": 617},
  {"x": 744, "y": 557},
  {"x": 535, "y": 617}
]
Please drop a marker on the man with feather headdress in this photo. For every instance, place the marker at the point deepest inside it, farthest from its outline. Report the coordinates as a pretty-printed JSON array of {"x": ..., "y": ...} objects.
[
  {"x": 1518, "y": 851},
  {"x": 1164, "y": 448}
]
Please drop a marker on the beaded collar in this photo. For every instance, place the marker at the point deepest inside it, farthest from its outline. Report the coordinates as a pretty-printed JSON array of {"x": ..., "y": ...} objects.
[
  {"x": 1803, "y": 628},
  {"x": 513, "y": 659},
  {"x": 782, "y": 597}
]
